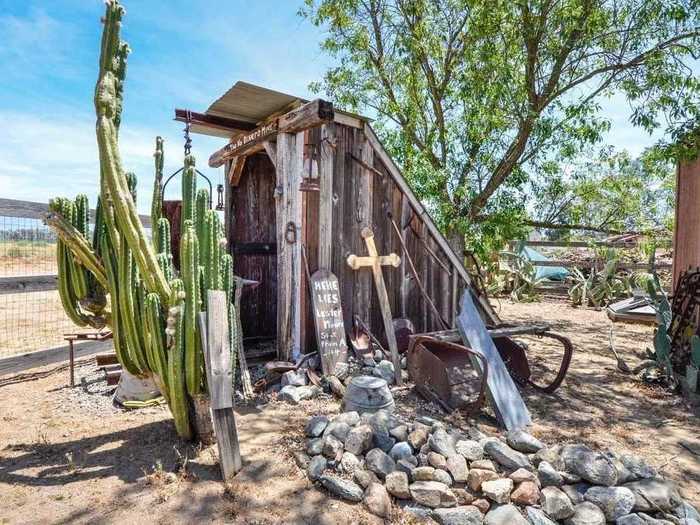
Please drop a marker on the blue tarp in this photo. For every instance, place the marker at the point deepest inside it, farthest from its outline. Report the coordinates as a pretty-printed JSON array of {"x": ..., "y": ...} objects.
[{"x": 555, "y": 273}]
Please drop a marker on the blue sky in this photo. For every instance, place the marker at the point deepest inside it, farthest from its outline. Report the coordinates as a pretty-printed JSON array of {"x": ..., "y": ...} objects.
[{"x": 184, "y": 54}]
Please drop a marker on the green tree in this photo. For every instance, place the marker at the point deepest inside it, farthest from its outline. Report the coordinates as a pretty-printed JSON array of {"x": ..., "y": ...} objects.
[
  {"x": 474, "y": 96},
  {"x": 609, "y": 192}
]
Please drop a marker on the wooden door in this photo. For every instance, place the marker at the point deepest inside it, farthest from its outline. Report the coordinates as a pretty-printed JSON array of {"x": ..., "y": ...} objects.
[{"x": 252, "y": 242}]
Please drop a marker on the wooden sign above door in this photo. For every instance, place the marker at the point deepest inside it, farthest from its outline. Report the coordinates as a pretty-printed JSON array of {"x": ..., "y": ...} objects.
[{"x": 328, "y": 318}]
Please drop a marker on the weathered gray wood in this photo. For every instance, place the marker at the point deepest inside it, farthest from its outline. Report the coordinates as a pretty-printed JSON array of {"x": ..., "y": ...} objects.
[
  {"x": 28, "y": 283},
  {"x": 20, "y": 362},
  {"x": 325, "y": 213},
  {"x": 455, "y": 294},
  {"x": 328, "y": 320},
  {"x": 36, "y": 210},
  {"x": 420, "y": 210},
  {"x": 290, "y": 166},
  {"x": 218, "y": 353},
  {"x": 236, "y": 170},
  {"x": 502, "y": 392},
  {"x": 271, "y": 150},
  {"x": 311, "y": 114},
  {"x": 223, "y": 419},
  {"x": 382, "y": 296}
]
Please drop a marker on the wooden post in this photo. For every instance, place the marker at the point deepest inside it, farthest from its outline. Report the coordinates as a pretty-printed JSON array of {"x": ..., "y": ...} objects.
[
  {"x": 290, "y": 166},
  {"x": 325, "y": 212},
  {"x": 375, "y": 261},
  {"x": 217, "y": 357}
]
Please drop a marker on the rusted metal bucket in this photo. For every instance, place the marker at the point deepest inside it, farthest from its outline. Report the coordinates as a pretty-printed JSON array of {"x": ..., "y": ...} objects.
[{"x": 445, "y": 369}]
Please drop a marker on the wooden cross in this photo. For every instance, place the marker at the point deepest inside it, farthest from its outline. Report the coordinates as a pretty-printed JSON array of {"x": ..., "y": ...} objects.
[{"x": 376, "y": 261}]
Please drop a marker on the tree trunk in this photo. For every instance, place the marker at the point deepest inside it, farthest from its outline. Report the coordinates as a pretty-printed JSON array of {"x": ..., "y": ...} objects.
[{"x": 456, "y": 239}]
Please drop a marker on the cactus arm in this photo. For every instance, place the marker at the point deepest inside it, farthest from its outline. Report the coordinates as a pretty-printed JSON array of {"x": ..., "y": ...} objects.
[
  {"x": 157, "y": 199},
  {"x": 128, "y": 310},
  {"x": 189, "y": 269},
  {"x": 176, "y": 361},
  {"x": 189, "y": 189},
  {"x": 155, "y": 341}
]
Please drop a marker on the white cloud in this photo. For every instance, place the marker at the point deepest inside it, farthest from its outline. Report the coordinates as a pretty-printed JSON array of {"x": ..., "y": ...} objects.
[{"x": 49, "y": 155}]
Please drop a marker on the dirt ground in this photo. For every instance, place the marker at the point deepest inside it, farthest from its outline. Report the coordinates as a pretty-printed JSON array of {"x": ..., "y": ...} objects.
[{"x": 66, "y": 457}]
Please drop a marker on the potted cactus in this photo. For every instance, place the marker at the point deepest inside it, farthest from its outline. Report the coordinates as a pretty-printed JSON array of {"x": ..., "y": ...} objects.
[{"x": 121, "y": 279}]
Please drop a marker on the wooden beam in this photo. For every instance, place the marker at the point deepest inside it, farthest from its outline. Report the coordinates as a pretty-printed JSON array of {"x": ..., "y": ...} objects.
[
  {"x": 36, "y": 210},
  {"x": 234, "y": 174},
  {"x": 213, "y": 121},
  {"x": 312, "y": 114},
  {"x": 271, "y": 150},
  {"x": 325, "y": 213},
  {"x": 290, "y": 167},
  {"x": 28, "y": 283}
]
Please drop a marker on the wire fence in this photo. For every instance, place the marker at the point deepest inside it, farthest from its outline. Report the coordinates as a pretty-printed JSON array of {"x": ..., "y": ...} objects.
[
  {"x": 29, "y": 320},
  {"x": 31, "y": 314}
]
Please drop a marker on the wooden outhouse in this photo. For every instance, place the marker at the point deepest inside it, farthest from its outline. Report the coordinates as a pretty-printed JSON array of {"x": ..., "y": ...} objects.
[{"x": 303, "y": 180}]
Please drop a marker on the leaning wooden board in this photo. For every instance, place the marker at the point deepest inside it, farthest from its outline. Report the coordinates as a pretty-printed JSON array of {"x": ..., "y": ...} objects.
[
  {"x": 502, "y": 392},
  {"x": 328, "y": 319}
]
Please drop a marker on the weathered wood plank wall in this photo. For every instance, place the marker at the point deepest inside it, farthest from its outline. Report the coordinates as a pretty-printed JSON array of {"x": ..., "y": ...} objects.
[
  {"x": 360, "y": 197},
  {"x": 686, "y": 241}
]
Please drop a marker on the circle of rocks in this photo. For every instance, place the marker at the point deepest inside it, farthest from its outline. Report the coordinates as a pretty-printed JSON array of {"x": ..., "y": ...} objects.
[{"x": 465, "y": 478}]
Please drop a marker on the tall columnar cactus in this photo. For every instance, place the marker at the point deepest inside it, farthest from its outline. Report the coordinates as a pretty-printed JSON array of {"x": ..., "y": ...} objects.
[
  {"x": 154, "y": 308},
  {"x": 189, "y": 270}
]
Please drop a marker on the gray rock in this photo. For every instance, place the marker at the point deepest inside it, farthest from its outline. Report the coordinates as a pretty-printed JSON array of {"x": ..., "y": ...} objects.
[
  {"x": 475, "y": 434},
  {"x": 364, "y": 477},
  {"x": 686, "y": 511},
  {"x": 422, "y": 473},
  {"x": 505, "y": 456},
  {"x": 307, "y": 392},
  {"x": 294, "y": 378},
  {"x": 551, "y": 455},
  {"x": 432, "y": 494},
  {"x": 457, "y": 467},
  {"x": 586, "y": 513},
  {"x": 369, "y": 362},
  {"x": 289, "y": 394},
  {"x": 399, "y": 433},
  {"x": 523, "y": 442},
  {"x": 653, "y": 494},
  {"x": 642, "y": 519},
  {"x": 419, "y": 436},
  {"x": 498, "y": 490},
  {"x": 594, "y": 467},
  {"x": 404, "y": 362},
  {"x": 405, "y": 465},
  {"x": 301, "y": 459},
  {"x": 623, "y": 473},
  {"x": 349, "y": 463},
  {"x": 418, "y": 511},
  {"x": 548, "y": 476},
  {"x": 442, "y": 443},
  {"x": 342, "y": 488},
  {"x": 426, "y": 420},
  {"x": 397, "y": 485},
  {"x": 379, "y": 462},
  {"x": 351, "y": 418},
  {"x": 463, "y": 515},
  {"x": 385, "y": 370},
  {"x": 537, "y": 517},
  {"x": 442, "y": 476},
  {"x": 359, "y": 439},
  {"x": 576, "y": 492},
  {"x": 556, "y": 504},
  {"x": 471, "y": 450},
  {"x": 377, "y": 500},
  {"x": 316, "y": 467},
  {"x": 477, "y": 476},
  {"x": 505, "y": 515},
  {"x": 337, "y": 429},
  {"x": 613, "y": 501},
  {"x": 401, "y": 450},
  {"x": 383, "y": 440},
  {"x": 378, "y": 355},
  {"x": 638, "y": 467},
  {"x": 436, "y": 460},
  {"x": 332, "y": 447},
  {"x": 314, "y": 446},
  {"x": 569, "y": 478},
  {"x": 316, "y": 425}
]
